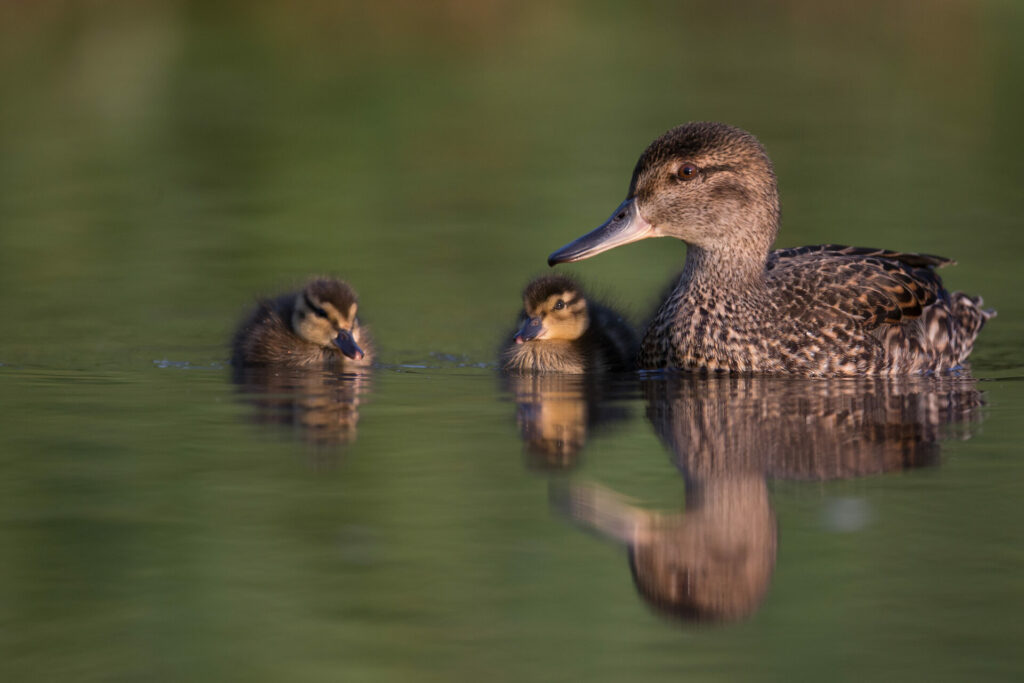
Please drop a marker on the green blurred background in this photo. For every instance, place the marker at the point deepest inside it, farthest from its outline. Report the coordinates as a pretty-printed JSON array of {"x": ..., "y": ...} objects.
[{"x": 162, "y": 164}]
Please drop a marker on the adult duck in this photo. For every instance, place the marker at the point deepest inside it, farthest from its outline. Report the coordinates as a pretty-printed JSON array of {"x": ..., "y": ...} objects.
[{"x": 825, "y": 310}]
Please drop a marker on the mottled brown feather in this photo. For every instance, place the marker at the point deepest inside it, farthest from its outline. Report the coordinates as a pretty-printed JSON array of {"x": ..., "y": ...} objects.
[{"x": 877, "y": 287}]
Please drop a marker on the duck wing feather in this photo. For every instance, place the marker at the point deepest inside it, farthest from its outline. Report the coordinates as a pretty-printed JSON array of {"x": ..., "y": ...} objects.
[{"x": 877, "y": 286}]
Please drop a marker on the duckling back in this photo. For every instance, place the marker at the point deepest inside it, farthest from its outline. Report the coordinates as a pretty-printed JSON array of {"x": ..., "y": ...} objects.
[
  {"x": 265, "y": 337},
  {"x": 610, "y": 340}
]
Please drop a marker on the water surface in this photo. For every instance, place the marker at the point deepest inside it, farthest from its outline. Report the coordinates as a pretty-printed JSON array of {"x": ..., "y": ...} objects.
[{"x": 165, "y": 518}]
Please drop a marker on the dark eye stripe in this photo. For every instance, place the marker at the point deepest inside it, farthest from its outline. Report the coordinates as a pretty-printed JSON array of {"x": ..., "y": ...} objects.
[
  {"x": 720, "y": 167},
  {"x": 313, "y": 307}
]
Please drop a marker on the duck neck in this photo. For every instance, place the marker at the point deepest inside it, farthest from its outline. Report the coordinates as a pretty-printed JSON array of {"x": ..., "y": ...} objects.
[
  {"x": 723, "y": 269},
  {"x": 736, "y": 244}
]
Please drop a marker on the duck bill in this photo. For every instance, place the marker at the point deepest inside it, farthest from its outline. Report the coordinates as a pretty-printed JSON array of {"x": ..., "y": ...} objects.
[
  {"x": 531, "y": 329},
  {"x": 626, "y": 225},
  {"x": 348, "y": 346}
]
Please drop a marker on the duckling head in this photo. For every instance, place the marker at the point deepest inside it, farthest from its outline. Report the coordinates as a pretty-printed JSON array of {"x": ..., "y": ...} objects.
[
  {"x": 325, "y": 314},
  {"x": 708, "y": 184},
  {"x": 554, "y": 309}
]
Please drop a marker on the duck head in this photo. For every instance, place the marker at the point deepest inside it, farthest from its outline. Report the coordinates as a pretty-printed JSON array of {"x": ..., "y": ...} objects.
[
  {"x": 555, "y": 309},
  {"x": 708, "y": 184},
  {"x": 325, "y": 314}
]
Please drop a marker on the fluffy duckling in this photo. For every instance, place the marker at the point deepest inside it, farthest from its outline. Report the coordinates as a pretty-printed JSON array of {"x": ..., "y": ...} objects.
[
  {"x": 824, "y": 310},
  {"x": 561, "y": 331},
  {"x": 316, "y": 327}
]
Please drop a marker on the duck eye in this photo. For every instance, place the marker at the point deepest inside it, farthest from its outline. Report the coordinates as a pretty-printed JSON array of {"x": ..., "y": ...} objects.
[
  {"x": 687, "y": 172},
  {"x": 559, "y": 305}
]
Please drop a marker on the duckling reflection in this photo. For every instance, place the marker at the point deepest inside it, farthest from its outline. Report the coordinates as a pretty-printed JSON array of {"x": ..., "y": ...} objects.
[
  {"x": 320, "y": 406},
  {"x": 555, "y": 414},
  {"x": 728, "y": 435}
]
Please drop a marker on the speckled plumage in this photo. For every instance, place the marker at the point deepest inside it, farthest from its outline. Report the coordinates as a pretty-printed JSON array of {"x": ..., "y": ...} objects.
[
  {"x": 823, "y": 310},
  {"x": 608, "y": 342},
  {"x": 268, "y": 336}
]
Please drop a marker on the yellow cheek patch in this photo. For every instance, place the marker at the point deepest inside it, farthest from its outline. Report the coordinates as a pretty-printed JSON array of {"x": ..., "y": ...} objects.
[{"x": 334, "y": 317}]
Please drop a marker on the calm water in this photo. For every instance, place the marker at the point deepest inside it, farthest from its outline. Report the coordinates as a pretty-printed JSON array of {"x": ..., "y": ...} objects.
[{"x": 162, "y": 518}]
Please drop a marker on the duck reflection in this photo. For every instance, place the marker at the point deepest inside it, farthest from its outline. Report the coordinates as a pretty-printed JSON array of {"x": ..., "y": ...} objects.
[
  {"x": 556, "y": 413},
  {"x": 728, "y": 435},
  {"x": 321, "y": 407}
]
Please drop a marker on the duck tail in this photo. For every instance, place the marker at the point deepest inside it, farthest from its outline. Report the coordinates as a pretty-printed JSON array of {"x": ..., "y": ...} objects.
[{"x": 970, "y": 317}]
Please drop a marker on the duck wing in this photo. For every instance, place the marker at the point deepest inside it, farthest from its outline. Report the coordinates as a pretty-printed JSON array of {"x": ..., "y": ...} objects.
[{"x": 875, "y": 285}]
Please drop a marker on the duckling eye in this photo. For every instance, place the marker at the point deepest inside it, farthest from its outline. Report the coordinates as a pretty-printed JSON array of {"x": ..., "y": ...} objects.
[
  {"x": 559, "y": 305},
  {"x": 687, "y": 172}
]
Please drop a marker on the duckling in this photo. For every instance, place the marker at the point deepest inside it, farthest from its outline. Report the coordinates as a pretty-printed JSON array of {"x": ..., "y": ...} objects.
[
  {"x": 315, "y": 327},
  {"x": 825, "y": 310},
  {"x": 562, "y": 331}
]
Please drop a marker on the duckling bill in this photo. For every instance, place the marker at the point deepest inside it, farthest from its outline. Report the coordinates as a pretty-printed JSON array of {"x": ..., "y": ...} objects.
[
  {"x": 824, "y": 310},
  {"x": 315, "y": 327},
  {"x": 562, "y": 331}
]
